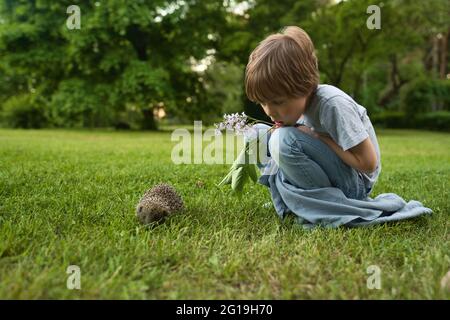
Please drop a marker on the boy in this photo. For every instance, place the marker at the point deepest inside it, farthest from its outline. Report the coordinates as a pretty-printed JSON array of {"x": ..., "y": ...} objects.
[{"x": 323, "y": 137}]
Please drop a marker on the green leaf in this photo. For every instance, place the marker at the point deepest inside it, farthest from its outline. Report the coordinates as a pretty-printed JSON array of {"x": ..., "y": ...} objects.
[
  {"x": 242, "y": 158},
  {"x": 238, "y": 179},
  {"x": 251, "y": 170},
  {"x": 240, "y": 171},
  {"x": 227, "y": 179}
]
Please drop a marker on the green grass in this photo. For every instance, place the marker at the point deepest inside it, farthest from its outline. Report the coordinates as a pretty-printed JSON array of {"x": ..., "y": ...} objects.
[{"x": 68, "y": 198}]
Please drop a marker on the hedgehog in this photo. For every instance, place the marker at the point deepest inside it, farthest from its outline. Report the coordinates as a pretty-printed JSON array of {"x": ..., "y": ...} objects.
[{"x": 158, "y": 203}]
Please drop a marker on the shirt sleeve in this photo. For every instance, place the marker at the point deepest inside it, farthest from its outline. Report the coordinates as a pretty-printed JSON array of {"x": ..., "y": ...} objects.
[{"x": 339, "y": 117}]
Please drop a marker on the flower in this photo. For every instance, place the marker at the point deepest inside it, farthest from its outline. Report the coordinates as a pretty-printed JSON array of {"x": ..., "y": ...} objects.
[
  {"x": 234, "y": 122},
  {"x": 241, "y": 170},
  {"x": 239, "y": 123}
]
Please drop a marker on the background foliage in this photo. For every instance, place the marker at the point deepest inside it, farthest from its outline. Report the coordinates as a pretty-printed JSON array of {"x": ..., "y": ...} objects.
[{"x": 134, "y": 64}]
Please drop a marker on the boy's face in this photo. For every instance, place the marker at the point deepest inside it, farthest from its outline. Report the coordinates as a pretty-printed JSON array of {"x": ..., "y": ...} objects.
[{"x": 285, "y": 111}]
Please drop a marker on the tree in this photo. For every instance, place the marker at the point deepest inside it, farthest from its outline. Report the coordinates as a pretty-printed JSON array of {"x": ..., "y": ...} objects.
[{"x": 125, "y": 53}]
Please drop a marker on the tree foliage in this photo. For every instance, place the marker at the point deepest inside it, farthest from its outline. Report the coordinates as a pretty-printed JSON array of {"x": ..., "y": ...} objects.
[{"x": 138, "y": 56}]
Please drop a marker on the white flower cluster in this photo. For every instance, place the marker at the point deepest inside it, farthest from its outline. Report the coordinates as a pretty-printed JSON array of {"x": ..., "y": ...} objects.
[{"x": 235, "y": 122}]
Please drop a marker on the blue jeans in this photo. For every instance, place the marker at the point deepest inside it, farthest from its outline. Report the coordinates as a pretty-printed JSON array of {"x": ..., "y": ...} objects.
[{"x": 309, "y": 163}]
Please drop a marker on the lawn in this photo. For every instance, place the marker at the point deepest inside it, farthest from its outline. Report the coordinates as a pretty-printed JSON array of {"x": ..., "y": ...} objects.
[{"x": 68, "y": 198}]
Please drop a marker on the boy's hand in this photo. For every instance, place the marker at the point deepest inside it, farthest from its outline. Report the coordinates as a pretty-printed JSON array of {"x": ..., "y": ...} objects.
[
  {"x": 308, "y": 130},
  {"x": 357, "y": 157}
]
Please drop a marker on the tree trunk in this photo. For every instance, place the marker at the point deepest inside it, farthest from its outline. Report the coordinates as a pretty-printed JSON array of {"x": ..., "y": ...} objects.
[
  {"x": 395, "y": 82},
  {"x": 443, "y": 55},
  {"x": 148, "y": 123}
]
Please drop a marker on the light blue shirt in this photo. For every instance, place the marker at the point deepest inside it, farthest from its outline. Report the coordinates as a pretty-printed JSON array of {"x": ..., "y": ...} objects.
[{"x": 333, "y": 112}]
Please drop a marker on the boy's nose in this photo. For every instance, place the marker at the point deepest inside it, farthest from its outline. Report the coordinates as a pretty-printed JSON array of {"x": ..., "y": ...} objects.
[
  {"x": 272, "y": 114},
  {"x": 275, "y": 117}
]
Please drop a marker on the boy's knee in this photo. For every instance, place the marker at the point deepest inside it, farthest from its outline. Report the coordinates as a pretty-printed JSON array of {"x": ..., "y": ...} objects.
[
  {"x": 282, "y": 139},
  {"x": 286, "y": 133},
  {"x": 256, "y": 130},
  {"x": 260, "y": 126},
  {"x": 260, "y": 146}
]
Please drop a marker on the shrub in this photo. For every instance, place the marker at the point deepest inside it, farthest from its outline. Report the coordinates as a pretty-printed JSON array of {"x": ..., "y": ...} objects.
[
  {"x": 439, "y": 120},
  {"x": 441, "y": 90},
  {"x": 77, "y": 103},
  {"x": 390, "y": 119},
  {"x": 24, "y": 111},
  {"x": 420, "y": 95}
]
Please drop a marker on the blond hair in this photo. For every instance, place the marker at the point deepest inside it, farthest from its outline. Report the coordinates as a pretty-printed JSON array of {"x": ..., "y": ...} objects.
[{"x": 283, "y": 65}]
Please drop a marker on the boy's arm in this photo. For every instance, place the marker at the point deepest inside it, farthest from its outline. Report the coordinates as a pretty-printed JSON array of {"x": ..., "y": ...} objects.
[
  {"x": 344, "y": 125},
  {"x": 361, "y": 157}
]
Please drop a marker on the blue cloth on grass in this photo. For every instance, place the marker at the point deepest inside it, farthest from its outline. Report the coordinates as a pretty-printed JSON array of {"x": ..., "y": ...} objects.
[{"x": 308, "y": 179}]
